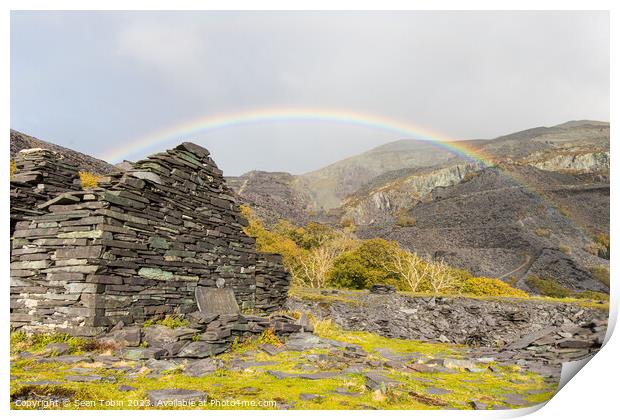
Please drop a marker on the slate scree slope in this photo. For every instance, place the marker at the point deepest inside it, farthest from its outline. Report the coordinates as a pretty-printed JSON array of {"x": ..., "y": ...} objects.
[{"x": 137, "y": 246}]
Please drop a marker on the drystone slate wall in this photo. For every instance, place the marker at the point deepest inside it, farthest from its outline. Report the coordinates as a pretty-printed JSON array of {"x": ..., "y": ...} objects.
[
  {"x": 272, "y": 283},
  {"x": 39, "y": 175},
  {"x": 137, "y": 247}
]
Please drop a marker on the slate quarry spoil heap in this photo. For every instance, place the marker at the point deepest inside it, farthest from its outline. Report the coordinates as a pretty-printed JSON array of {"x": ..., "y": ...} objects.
[{"x": 134, "y": 248}]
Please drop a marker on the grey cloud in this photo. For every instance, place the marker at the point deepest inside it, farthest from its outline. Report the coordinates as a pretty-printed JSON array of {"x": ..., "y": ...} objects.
[{"x": 96, "y": 80}]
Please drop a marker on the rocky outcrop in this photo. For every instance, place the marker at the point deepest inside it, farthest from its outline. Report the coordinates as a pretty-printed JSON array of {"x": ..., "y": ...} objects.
[
  {"x": 494, "y": 322},
  {"x": 583, "y": 162},
  {"x": 382, "y": 205},
  {"x": 137, "y": 247}
]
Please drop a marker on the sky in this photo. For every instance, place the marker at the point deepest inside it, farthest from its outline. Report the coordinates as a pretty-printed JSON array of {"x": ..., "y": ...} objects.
[{"x": 104, "y": 83}]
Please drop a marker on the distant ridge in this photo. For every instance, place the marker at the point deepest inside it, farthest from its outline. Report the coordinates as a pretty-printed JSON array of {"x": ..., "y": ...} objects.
[{"x": 20, "y": 141}]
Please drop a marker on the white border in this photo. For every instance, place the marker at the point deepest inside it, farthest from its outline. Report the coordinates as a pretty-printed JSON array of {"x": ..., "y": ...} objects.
[{"x": 591, "y": 395}]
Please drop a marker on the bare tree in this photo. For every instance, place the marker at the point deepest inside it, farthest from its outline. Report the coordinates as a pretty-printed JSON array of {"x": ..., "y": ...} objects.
[
  {"x": 315, "y": 265},
  {"x": 440, "y": 277},
  {"x": 416, "y": 271},
  {"x": 408, "y": 266}
]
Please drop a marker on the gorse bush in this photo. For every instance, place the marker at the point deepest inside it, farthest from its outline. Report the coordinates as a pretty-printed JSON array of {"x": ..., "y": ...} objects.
[
  {"x": 482, "y": 286},
  {"x": 13, "y": 168},
  {"x": 89, "y": 180}
]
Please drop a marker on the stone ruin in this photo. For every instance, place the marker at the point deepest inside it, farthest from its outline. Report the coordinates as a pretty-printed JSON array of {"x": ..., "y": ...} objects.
[
  {"x": 164, "y": 237},
  {"x": 39, "y": 176}
]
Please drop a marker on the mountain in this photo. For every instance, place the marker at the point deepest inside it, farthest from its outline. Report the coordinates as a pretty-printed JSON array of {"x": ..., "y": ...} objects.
[
  {"x": 20, "y": 141},
  {"x": 328, "y": 186},
  {"x": 387, "y": 166},
  {"x": 534, "y": 208},
  {"x": 511, "y": 221}
]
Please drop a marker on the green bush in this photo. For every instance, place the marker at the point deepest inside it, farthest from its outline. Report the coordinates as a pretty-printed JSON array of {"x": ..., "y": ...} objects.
[
  {"x": 482, "y": 286},
  {"x": 548, "y": 287},
  {"x": 364, "y": 266}
]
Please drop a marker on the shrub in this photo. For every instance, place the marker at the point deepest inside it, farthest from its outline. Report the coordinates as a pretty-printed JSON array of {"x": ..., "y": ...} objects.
[
  {"x": 565, "y": 249},
  {"x": 169, "y": 321},
  {"x": 404, "y": 219},
  {"x": 602, "y": 242},
  {"x": 268, "y": 336},
  {"x": 548, "y": 287},
  {"x": 543, "y": 232},
  {"x": 273, "y": 242},
  {"x": 601, "y": 273},
  {"x": 89, "y": 180},
  {"x": 468, "y": 177},
  {"x": 364, "y": 266},
  {"x": 482, "y": 286},
  {"x": 13, "y": 168}
]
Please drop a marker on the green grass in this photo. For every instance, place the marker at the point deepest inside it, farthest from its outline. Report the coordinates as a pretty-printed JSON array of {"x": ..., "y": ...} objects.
[{"x": 371, "y": 342}]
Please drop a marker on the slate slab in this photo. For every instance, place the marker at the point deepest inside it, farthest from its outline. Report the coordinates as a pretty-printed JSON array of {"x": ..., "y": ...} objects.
[
  {"x": 201, "y": 349},
  {"x": 212, "y": 300},
  {"x": 375, "y": 381}
]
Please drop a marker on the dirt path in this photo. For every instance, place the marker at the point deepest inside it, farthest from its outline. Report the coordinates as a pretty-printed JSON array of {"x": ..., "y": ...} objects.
[{"x": 528, "y": 258}]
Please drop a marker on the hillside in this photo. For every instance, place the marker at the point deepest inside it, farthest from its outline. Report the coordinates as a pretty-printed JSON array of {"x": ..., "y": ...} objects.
[
  {"x": 510, "y": 222},
  {"x": 538, "y": 213},
  {"x": 330, "y": 187},
  {"x": 20, "y": 141}
]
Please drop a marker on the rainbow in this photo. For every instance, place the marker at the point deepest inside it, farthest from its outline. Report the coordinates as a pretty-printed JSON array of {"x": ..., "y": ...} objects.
[{"x": 170, "y": 136}]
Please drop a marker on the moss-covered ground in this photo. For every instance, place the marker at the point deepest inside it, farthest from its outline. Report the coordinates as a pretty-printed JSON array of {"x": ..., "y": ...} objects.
[{"x": 489, "y": 385}]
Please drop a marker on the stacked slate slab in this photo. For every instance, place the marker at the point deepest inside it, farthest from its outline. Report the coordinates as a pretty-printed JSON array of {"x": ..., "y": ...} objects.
[
  {"x": 272, "y": 283},
  {"x": 137, "y": 247},
  {"x": 209, "y": 335},
  {"x": 40, "y": 175}
]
